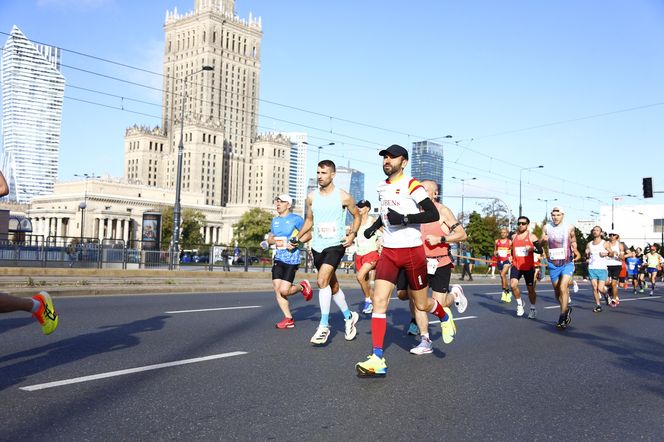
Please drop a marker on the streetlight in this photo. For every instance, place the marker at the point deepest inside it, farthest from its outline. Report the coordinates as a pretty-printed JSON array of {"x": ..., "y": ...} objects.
[
  {"x": 463, "y": 188},
  {"x": 175, "y": 257},
  {"x": 546, "y": 207},
  {"x": 319, "y": 148},
  {"x": 613, "y": 199},
  {"x": 520, "y": 174},
  {"x": 82, "y": 206}
]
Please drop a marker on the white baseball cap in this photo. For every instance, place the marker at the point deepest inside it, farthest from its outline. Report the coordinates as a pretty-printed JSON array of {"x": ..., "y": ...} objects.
[
  {"x": 558, "y": 209},
  {"x": 285, "y": 198}
]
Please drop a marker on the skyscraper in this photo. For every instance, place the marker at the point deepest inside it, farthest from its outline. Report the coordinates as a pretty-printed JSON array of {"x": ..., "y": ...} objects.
[
  {"x": 297, "y": 178},
  {"x": 352, "y": 181},
  {"x": 32, "y": 93},
  {"x": 427, "y": 161}
]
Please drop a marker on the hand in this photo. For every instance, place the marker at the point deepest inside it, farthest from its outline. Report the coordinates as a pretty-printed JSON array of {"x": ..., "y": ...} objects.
[
  {"x": 349, "y": 239},
  {"x": 394, "y": 217},
  {"x": 432, "y": 240},
  {"x": 293, "y": 243}
]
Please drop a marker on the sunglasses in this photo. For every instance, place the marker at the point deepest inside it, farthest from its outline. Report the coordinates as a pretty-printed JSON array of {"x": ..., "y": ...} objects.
[{"x": 522, "y": 223}]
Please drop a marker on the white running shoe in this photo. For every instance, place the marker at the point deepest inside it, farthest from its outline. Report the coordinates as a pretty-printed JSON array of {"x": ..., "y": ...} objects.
[
  {"x": 424, "y": 347},
  {"x": 460, "y": 300},
  {"x": 351, "y": 331},
  {"x": 519, "y": 310},
  {"x": 321, "y": 335},
  {"x": 532, "y": 314},
  {"x": 575, "y": 287}
]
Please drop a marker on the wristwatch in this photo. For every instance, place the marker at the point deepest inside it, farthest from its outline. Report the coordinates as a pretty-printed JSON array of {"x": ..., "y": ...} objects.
[{"x": 405, "y": 220}]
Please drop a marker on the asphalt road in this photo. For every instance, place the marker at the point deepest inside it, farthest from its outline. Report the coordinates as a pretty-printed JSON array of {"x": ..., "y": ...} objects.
[{"x": 234, "y": 376}]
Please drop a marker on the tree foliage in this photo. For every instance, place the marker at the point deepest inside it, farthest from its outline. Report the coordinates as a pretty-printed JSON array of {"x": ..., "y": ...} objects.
[
  {"x": 250, "y": 230},
  {"x": 480, "y": 238},
  {"x": 192, "y": 221}
]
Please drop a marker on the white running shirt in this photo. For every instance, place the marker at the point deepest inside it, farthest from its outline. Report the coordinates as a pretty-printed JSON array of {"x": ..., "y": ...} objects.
[
  {"x": 597, "y": 262},
  {"x": 401, "y": 195}
]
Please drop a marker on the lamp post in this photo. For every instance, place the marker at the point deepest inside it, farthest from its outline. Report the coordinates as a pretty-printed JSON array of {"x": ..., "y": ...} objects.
[
  {"x": 463, "y": 189},
  {"x": 319, "y": 148},
  {"x": 175, "y": 256},
  {"x": 546, "y": 207},
  {"x": 613, "y": 199},
  {"x": 83, "y": 205},
  {"x": 520, "y": 175}
]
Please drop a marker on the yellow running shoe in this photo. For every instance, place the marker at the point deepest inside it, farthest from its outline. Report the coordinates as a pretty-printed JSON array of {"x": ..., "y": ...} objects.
[
  {"x": 502, "y": 296},
  {"x": 449, "y": 329},
  {"x": 46, "y": 315},
  {"x": 373, "y": 366}
]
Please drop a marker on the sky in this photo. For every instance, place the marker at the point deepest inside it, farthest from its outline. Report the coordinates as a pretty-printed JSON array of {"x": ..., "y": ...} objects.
[{"x": 577, "y": 87}]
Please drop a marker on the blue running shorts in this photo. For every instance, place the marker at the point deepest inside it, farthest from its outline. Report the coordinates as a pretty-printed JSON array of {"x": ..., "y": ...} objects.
[{"x": 556, "y": 272}]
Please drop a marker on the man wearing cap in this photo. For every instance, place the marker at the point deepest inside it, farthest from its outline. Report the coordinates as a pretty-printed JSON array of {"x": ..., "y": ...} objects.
[
  {"x": 366, "y": 255},
  {"x": 326, "y": 217},
  {"x": 563, "y": 251},
  {"x": 286, "y": 258},
  {"x": 404, "y": 205},
  {"x": 614, "y": 265}
]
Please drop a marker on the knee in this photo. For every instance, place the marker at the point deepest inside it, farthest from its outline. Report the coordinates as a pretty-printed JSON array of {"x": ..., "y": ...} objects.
[{"x": 422, "y": 304}]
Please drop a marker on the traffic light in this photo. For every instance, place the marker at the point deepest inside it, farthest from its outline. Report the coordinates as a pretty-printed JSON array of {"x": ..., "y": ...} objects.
[{"x": 647, "y": 187}]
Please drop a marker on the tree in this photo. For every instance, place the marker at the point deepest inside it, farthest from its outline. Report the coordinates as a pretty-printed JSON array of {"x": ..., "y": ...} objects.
[
  {"x": 480, "y": 239},
  {"x": 190, "y": 228},
  {"x": 250, "y": 230},
  {"x": 500, "y": 212}
]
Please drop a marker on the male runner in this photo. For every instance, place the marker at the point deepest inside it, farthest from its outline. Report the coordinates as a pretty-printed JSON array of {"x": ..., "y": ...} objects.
[
  {"x": 524, "y": 245},
  {"x": 40, "y": 305},
  {"x": 366, "y": 255},
  {"x": 401, "y": 198},
  {"x": 326, "y": 216},
  {"x": 653, "y": 261},
  {"x": 596, "y": 252},
  {"x": 436, "y": 237},
  {"x": 561, "y": 240},
  {"x": 614, "y": 266},
  {"x": 633, "y": 264},
  {"x": 286, "y": 258},
  {"x": 502, "y": 250}
]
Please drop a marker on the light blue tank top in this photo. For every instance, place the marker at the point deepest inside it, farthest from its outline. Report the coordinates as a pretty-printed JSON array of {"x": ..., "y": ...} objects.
[{"x": 329, "y": 220}]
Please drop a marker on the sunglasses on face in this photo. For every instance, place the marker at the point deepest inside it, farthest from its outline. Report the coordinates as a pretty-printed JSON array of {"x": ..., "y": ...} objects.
[{"x": 522, "y": 223}]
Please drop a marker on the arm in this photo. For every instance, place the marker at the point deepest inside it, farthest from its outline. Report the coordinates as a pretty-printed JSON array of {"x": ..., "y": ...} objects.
[
  {"x": 369, "y": 232},
  {"x": 308, "y": 222},
  {"x": 537, "y": 247},
  {"x": 429, "y": 214},
  {"x": 348, "y": 201},
  {"x": 4, "y": 188},
  {"x": 457, "y": 232}
]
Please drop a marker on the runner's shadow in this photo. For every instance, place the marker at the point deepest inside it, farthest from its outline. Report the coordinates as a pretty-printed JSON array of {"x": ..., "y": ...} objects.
[
  {"x": 14, "y": 323},
  {"x": 77, "y": 348}
]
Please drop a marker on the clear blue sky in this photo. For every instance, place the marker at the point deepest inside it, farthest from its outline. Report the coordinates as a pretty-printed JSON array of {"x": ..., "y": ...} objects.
[{"x": 575, "y": 86}]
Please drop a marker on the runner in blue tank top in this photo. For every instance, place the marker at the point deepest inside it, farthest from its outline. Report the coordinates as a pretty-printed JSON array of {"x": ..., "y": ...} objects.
[
  {"x": 562, "y": 253},
  {"x": 325, "y": 218}
]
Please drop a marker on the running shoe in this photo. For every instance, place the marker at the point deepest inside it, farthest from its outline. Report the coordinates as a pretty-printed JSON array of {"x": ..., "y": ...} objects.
[
  {"x": 460, "y": 300},
  {"x": 597, "y": 309},
  {"x": 321, "y": 335},
  {"x": 307, "y": 292},
  {"x": 568, "y": 316},
  {"x": 413, "y": 330},
  {"x": 652, "y": 292},
  {"x": 286, "y": 323},
  {"x": 617, "y": 301},
  {"x": 532, "y": 314},
  {"x": 350, "y": 330},
  {"x": 519, "y": 310},
  {"x": 373, "y": 366},
  {"x": 613, "y": 304},
  {"x": 575, "y": 287},
  {"x": 508, "y": 297},
  {"x": 424, "y": 348},
  {"x": 448, "y": 327},
  {"x": 561, "y": 322},
  {"x": 607, "y": 300},
  {"x": 46, "y": 314},
  {"x": 503, "y": 296},
  {"x": 368, "y": 308}
]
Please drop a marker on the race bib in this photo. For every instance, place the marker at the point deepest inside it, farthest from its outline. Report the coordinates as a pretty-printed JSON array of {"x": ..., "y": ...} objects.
[
  {"x": 521, "y": 251},
  {"x": 280, "y": 242},
  {"x": 557, "y": 254},
  {"x": 432, "y": 265},
  {"x": 327, "y": 230},
  {"x": 502, "y": 253}
]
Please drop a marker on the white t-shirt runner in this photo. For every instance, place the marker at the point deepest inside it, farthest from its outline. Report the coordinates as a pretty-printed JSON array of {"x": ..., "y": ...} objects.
[{"x": 403, "y": 196}]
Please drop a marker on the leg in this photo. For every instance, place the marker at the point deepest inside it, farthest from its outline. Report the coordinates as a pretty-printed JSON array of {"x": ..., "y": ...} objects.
[{"x": 9, "y": 303}]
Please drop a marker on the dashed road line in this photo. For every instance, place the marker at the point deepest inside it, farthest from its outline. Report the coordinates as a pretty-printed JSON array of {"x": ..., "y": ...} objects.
[{"x": 213, "y": 309}]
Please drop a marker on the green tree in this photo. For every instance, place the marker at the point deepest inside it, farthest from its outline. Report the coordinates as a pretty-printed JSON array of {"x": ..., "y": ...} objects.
[
  {"x": 581, "y": 241},
  {"x": 480, "y": 239},
  {"x": 190, "y": 232},
  {"x": 250, "y": 230}
]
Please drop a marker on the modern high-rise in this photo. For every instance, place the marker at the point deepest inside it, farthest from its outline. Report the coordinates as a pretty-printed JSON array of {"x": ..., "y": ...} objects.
[
  {"x": 352, "y": 181},
  {"x": 32, "y": 94},
  {"x": 211, "y": 85},
  {"x": 427, "y": 161},
  {"x": 297, "y": 178}
]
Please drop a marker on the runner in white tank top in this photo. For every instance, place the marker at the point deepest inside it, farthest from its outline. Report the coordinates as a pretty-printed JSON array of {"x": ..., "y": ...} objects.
[{"x": 596, "y": 252}]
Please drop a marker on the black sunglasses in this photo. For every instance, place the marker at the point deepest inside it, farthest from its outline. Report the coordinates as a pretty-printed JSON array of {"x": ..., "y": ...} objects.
[{"x": 522, "y": 223}]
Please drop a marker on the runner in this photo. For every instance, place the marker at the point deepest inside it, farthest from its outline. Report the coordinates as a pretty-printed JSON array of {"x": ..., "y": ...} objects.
[
  {"x": 40, "y": 305},
  {"x": 286, "y": 259},
  {"x": 596, "y": 252},
  {"x": 436, "y": 238},
  {"x": 400, "y": 195},
  {"x": 366, "y": 256},
  {"x": 326, "y": 214},
  {"x": 633, "y": 264},
  {"x": 491, "y": 269},
  {"x": 653, "y": 260},
  {"x": 524, "y": 245},
  {"x": 614, "y": 266},
  {"x": 642, "y": 270},
  {"x": 561, "y": 241},
  {"x": 502, "y": 250}
]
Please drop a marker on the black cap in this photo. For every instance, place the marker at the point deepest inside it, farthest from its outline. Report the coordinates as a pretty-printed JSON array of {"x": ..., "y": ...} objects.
[
  {"x": 394, "y": 150},
  {"x": 363, "y": 203}
]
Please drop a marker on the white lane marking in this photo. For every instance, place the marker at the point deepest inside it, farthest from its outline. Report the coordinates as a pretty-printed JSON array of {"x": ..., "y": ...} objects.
[
  {"x": 643, "y": 297},
  {"x": 455, "y": 319},
  {"x": 213, "y": 309},
  {"x": 129, "y": 371}
]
